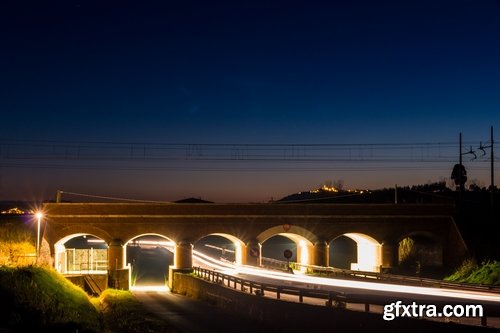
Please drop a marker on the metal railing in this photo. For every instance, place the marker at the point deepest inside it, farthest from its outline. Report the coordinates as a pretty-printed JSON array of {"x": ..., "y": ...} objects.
[
  {"x": 259, "y": 288},
  {"x": 95, "y": 267},
  {"x": 380, "y": 277},
  {"x": 331, "y": 298},
  {"x": 394, "y": 278},
  {"x": 92, "y": 285}
]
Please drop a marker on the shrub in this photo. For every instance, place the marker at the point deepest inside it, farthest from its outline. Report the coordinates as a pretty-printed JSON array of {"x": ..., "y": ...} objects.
[
  {"x": 469, "y": 272},
  {"x": 468, "y": 266}
]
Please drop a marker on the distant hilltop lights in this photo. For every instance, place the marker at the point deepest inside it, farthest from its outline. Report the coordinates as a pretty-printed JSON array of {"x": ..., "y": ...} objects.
[
  {"x": 15, "y": 211},
  {"x": 325, "y": 188},
  {"x": 333, "y": 189}
]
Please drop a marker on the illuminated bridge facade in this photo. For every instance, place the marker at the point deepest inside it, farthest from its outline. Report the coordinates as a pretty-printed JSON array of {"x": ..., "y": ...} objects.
[{"x": 377, "y": 229}]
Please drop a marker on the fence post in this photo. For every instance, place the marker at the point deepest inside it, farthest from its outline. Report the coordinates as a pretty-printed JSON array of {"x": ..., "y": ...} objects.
[{"x": 330, "y": 299}]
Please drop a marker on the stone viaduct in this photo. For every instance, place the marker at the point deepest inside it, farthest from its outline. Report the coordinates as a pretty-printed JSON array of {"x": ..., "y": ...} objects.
[{"x": 377, "y": 229}]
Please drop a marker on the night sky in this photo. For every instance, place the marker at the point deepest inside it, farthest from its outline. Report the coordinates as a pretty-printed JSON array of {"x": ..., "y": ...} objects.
[{"x": 130, "y": 76}]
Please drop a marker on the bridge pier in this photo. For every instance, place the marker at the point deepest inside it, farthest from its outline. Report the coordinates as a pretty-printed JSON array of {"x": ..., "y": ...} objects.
[
  {"x": 389, "y": 254},
  {"x": 183, "y": 257},
  {"x": 321, "y": 254},
  {"x": 119, "y": 275},
  {"x": 252, "y": 254},
  {"x": 115, "y": 254}
]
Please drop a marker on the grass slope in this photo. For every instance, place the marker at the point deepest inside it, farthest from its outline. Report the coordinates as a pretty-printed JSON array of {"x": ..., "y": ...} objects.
[
  {"x": 34, "y": 298},
  {"x": 488, "y": 273}
]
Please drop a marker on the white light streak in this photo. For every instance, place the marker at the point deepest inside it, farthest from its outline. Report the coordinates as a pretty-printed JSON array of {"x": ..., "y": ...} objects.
[{"x": 231, "y": 269}]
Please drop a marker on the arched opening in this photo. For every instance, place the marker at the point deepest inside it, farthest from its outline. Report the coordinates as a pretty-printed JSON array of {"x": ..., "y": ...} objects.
[
  {"x": 280, "y": 249},
  {"x": 81, "y": 254},
  {"x": 221, "y": 246},
  {"x": 356, "y": 251},
  {"x": 419, "y": 251},
  {"x": 342, "y": 252},
  {"x": 149, "y": 256}
]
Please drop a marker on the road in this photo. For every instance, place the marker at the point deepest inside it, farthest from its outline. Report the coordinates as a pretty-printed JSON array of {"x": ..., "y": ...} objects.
[
  {"x": 192, "y": 316},
  {"x": 375, "y": 292}
]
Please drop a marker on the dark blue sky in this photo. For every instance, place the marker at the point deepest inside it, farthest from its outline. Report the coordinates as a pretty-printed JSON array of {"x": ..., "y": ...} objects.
[{"x": 330, "y": 72}]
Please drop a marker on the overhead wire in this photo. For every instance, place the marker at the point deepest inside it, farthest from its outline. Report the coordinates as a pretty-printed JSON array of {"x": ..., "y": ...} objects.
[
  {"x": 112, "y": 198},
  {"x": 195, "y": 156}
]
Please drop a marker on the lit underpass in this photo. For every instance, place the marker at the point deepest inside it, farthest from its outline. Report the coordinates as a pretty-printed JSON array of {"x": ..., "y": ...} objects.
[
  {"x": 356, "y": 251},
  {"x": 223, "y": 246},
  {"x": 274, "y": 249},
  {"x": 420, "y": 252},
  {"x": 343, "y": 251},
  {"x": 149, "y": 257},
  {"x": 81, "y": 254}
]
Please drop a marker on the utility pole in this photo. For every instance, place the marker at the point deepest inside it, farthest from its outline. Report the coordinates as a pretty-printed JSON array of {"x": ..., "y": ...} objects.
[
  {"x": 396, "y": 194},
  {"x": 460, "y": 176},
  {"x": 460, "y": 179},
  {"x": 492, "y": 189}
]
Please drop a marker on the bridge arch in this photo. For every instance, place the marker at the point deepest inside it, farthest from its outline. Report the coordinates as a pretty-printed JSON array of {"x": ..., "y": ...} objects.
[
  {"x": 149, "y": 256},
  {"x": 419, "y": 248},
  {"x": 169, "y": 240},
  {"x": 368, "y": 252},
  {"x": 304, "y": 241},
  {"x": 80, "y": 230},
  {"x": 89, "y": 258},
  {"x": 239, "y": 245},
  {"x": 292, "y": 230}
]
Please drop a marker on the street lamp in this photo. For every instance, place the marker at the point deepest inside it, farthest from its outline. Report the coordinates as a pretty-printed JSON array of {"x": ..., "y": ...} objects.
[{"x": 39, "y": 216}]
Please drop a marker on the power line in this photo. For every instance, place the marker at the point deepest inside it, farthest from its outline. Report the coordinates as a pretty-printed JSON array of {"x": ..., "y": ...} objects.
[
  {"x": 226, "y": 169},
  {"x": 384, "y": 152},
  {"x": 227, "y": 157},
  {"x": 111, "y": 198},
  {"x": 138, "y": 143}
]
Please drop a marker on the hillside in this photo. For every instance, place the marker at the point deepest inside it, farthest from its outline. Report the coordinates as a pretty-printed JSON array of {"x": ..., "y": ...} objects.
[{"x": 474, "y": 216}]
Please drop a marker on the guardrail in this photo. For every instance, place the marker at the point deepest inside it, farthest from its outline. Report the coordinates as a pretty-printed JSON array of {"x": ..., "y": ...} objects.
[
  {"x": 259, "y": 288},
  {"x": 331, "y": 298},
  {"x": 381, "y": 277}
]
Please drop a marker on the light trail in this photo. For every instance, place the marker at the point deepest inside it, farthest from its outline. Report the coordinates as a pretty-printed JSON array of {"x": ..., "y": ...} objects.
[
  {"x": 220, "y": 265},
  {"x": 220, "y": 248},
  {"x": 231, "y": 269}
]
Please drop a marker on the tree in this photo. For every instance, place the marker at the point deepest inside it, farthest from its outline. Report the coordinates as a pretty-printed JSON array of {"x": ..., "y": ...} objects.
[{"x": 459, "y": 175}]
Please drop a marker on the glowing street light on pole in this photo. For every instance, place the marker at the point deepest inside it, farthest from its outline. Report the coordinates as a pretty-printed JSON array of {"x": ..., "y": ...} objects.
[{"x": 39, "y": 216}]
